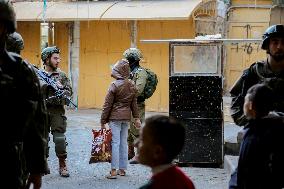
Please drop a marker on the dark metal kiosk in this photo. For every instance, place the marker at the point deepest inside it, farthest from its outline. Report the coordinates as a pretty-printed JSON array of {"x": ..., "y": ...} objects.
[{"x": 195, "y": 98}]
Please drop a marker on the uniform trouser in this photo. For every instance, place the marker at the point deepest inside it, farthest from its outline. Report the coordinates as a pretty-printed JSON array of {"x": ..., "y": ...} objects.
[
  {"x": 119, "y": 148},
  {"x": 58, "y": 124},
  {"x": 13, "y": 173},
  {"x": 133, "y": 133}
]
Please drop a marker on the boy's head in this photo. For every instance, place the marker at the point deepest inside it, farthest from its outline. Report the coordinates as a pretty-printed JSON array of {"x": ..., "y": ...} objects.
[
  {"x": 160, "y": 140},
  {"x": 258, "y": 101}
]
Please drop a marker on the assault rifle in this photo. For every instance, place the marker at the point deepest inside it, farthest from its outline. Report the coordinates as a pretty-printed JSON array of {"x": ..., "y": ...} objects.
[{"x": 59, "y": 93}]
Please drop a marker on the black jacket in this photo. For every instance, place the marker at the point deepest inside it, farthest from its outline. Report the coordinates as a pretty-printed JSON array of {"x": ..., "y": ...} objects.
[
  {"x": 257, "y": 73},
  {"x": 261, "y": 158}
]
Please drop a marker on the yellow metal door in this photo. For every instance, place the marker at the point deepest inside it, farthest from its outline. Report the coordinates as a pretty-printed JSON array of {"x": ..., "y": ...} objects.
[
  {"x": 241, "y": 55},
  {"x": 30, "y": 32}
]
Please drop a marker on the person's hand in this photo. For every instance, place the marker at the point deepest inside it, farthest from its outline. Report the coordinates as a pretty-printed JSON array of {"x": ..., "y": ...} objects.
[
  {"x": 137, "y": 123},
  {"x": 103, "y": 126},
  {"x": 34, "y": 179}
]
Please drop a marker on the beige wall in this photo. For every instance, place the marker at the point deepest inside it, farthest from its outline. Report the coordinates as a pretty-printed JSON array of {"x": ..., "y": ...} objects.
[{"x": 102, "y": 44}]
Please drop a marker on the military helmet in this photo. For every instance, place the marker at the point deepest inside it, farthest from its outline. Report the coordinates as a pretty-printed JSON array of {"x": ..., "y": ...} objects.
[
  {"x": 48, "y": 51},
  {"x": 272, "y": 31},
  {"x": 134, "y": 53},
  {"x": 14, "y": 42},
  {"x": 7, "y": 15}
]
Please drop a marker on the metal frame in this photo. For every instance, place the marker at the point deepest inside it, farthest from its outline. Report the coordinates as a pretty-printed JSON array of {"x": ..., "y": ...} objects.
[
  {"x": 218, "y": 61},
  {"x": 201, "y": 40}
]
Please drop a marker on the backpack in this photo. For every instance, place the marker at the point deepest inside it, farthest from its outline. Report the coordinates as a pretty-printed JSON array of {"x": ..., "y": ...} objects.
[{"x": 151, "y": 83}]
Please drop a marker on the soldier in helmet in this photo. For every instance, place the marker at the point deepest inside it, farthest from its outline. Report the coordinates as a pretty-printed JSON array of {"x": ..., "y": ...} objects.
[
  {"x": 20, "y": 109},
  {"x": 139, "y": 76},
  {"x": 272, "y": 67},
  {"x": 15, "y": 43},
  {"x": 55, "y": 106},
  {"x": 269, "y": 71}
]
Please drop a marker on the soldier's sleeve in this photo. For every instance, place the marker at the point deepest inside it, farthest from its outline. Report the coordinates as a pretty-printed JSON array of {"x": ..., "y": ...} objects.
[
  {"x": 67, "y": 85},
  {"x": 36, "y": 134},
  {"x": 238, "y": 93},
  {"x": 140, "y": 81}
]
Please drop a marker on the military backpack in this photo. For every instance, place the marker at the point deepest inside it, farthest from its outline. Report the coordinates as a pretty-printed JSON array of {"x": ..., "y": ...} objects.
[{"x": 151, "y": 83}]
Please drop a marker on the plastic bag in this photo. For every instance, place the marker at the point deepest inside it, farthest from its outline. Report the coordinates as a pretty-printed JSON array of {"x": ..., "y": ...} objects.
[{"x": 101, "y": 146}]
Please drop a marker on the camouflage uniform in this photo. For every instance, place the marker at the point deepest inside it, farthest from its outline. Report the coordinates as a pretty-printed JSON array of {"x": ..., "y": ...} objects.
[
  {"x": 23, "y": 119},
  {"x": 56, "y": 112},
  {"x": 139, "y": 76},
  {"x": 22, "y": 110},
  {"x": 258, "y": 72},
  {"x": 55, "y": 107}
]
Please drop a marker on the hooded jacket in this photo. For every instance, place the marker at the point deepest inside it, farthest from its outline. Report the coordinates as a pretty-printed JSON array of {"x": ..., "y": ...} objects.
[
  {"x": 121, "y": 98},
  {"x": 260, "y": 164}
]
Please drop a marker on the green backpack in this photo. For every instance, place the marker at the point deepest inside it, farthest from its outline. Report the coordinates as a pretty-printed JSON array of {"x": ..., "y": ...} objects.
[{"x": 151, "y": 83}]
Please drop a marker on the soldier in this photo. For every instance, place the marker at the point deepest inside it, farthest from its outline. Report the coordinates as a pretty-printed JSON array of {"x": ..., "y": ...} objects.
[
  {"x": 22, "y": 114},
  {"x": 15, "y": 43},
  {"x": 55, "y": 106},
  {"x": 272, "y": 67},
  {"x": 271, "y": 71},
  {"x": 139, "y": 76}
]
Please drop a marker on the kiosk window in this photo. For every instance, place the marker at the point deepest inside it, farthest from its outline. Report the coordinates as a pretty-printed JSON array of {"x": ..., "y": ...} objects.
[{"x": 195, "y": 59}]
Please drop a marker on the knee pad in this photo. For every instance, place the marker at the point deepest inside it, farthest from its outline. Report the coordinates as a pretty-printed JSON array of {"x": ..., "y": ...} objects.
[{"x": 59, "y": 140}]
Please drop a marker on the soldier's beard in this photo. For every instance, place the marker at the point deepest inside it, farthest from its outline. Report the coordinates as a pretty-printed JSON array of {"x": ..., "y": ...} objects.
[
  {"x": 52, "y": 67},
  {"x": 278, "y": 57}
]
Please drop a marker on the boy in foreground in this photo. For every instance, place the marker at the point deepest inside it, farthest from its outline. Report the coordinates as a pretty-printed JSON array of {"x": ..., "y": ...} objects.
[
  {"x": 261, "y": 155},
  {"x": 160, "y": 141}
]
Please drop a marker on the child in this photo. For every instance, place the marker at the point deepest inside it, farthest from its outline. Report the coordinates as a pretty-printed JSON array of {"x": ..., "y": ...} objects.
[
  {"x": 160, "y": 141},
  {"x": 261, "y": 155},
  {"x": 120, "y": 102}
]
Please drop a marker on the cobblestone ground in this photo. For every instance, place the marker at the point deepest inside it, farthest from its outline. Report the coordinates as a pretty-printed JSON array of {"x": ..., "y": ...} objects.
[{"x": 91, "y": 176}]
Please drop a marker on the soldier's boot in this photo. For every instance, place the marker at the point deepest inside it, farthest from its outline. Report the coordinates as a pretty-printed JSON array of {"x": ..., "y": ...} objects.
[
  {"x": 63, "y": 171},
  {"x": 131, "y": 152},
  {"x": 134, "y": 160}
]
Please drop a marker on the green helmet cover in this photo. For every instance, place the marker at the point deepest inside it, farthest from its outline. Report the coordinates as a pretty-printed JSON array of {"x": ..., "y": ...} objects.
[
  {"x": 48, "y": 51},
  {"x": 14, "y": 43},
  {"x": 134, "y": 53}
]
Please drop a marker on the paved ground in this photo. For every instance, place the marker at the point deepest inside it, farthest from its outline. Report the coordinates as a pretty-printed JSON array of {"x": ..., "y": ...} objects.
[{"x": 92, "y": 176}]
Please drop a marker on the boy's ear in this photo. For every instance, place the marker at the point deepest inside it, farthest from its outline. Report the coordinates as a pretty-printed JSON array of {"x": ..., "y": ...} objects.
[
  {"x": 250, "y": 105},
  {"x": 158, "y": 152}
]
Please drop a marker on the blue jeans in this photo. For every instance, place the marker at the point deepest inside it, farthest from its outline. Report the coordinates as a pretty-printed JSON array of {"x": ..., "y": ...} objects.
[{"x": 119, "y": 144}]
